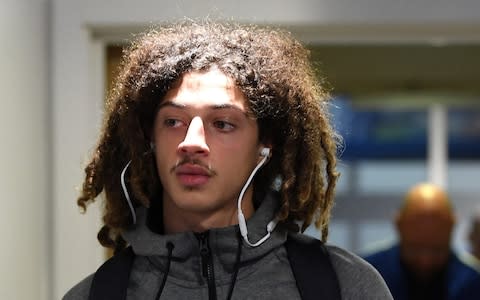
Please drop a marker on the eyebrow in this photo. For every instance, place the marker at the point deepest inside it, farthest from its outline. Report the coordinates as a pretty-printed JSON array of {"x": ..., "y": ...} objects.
[{"x": 214, "y": 106}]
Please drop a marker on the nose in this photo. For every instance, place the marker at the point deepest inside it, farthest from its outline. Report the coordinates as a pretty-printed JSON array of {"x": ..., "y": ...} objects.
[{"x": 194, "y": 141}]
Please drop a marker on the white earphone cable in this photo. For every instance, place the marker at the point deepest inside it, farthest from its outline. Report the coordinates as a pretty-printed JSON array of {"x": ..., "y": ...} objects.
[
  {"x": 242, "y": 223},
  {"x": 125, "y": 192}
]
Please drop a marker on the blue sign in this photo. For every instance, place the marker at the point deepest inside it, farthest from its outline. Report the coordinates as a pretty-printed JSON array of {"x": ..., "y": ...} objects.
[{"x": 391, "y": 133}]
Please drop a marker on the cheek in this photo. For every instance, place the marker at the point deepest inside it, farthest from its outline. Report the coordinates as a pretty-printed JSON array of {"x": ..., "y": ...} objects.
[
  {"x": 246, "y": 153},
  {"x": 165, "y": 156},
  {"x": 237, "y": 161},
  {"x": 160, "y": 161},
  {"x": 166, "y": 143}
]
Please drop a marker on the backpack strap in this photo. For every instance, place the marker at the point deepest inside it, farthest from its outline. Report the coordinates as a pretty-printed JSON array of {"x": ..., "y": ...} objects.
[
  {"x": 312, "y": 268},
  {"x": 111, "y": 279}
]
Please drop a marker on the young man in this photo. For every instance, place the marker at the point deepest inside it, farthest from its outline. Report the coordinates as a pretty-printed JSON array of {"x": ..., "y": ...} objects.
[
  {"x": 216, "y": 146},
  {"x": 423, "y": 266}
]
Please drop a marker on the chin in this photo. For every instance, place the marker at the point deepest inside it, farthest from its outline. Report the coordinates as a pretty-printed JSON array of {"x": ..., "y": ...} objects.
[{"x": 196, "y": 204}]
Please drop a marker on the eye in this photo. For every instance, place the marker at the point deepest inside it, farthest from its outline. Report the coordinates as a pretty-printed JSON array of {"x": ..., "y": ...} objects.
[
  {"x": 223, "y": 125},
  {"x": 169, "y": 122}
]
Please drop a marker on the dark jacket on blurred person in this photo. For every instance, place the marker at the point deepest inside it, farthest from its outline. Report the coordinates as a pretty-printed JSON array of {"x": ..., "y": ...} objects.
[{"x": 457, "y": 281}]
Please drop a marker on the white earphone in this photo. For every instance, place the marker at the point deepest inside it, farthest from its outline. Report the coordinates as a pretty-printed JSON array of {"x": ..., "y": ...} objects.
[
  {"x": 125, "y": 192},
  {"x": 265, "y": 151},
  {"x": 242, "y": 223},
  {"x": 124, "y": 186}
]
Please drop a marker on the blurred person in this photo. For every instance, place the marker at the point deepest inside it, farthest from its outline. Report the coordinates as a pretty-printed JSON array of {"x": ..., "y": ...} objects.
[
  {"x": 473, "y": 255},
  {"x": 423, "y": 265},
  {"x": 198, "y": 109}
]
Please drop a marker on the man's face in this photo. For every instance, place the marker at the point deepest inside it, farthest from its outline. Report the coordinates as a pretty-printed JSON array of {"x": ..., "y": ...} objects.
[
  {"x": 425, "y": 245},
  {"x": 205, "y": 147}
]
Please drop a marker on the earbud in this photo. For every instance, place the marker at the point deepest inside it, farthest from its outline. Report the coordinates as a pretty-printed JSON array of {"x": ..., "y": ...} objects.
[{"x": 265, "y": 151}]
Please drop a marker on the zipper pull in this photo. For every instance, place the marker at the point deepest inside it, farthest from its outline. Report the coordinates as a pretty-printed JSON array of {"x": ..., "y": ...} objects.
[
  {"x": 207, "y": 264},
  {"x": 204, "y": 251}
]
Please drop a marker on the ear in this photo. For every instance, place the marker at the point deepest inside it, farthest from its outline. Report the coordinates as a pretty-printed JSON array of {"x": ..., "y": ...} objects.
[
  {"x": 471, "y": 236},
  {"x": 398, "y": 222},
  {"x": 454, "y": 219}
]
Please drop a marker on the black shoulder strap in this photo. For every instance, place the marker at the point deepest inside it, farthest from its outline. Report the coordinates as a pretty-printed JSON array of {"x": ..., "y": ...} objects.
[
  {"x": 111, "y": 279},
  {"x": 312, "y": 268}
]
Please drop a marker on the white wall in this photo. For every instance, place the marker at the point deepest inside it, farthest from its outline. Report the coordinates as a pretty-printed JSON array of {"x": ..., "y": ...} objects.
[
  {"x": 80, "y": 28},
  {"x": 24, "y": 181}
]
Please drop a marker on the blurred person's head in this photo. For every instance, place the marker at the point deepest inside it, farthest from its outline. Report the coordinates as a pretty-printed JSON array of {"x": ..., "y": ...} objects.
[
  {"x": 424, "y": 224},
  {"x": 474, "y": 234}
]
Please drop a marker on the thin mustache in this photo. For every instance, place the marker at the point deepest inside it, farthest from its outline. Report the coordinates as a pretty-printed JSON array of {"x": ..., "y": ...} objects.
[{"x": 195, "y": 162}]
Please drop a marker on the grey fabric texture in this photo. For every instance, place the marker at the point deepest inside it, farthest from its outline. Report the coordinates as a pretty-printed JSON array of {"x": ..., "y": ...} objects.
[{"x": 264, "y": 272}]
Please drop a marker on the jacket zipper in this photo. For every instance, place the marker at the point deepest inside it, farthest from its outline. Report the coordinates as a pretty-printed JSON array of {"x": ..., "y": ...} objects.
[{"x": 207, "y": 264}]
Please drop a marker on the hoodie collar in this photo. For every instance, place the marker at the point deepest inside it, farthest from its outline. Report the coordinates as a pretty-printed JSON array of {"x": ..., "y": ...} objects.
[{"x": 223, "y": 242}]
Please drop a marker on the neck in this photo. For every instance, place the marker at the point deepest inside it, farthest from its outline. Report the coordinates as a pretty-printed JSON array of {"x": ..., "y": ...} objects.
[{"x": 177, "y": 219}]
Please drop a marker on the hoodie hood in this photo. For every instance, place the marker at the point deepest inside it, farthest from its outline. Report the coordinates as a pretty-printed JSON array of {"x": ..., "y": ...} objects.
[{"x": 223, "y": 243}]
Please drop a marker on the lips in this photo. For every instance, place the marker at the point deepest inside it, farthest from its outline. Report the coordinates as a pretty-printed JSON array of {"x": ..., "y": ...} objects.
[{"x": 192, "y": 175}]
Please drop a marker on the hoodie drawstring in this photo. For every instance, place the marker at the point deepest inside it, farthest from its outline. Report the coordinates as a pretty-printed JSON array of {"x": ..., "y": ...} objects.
[
  {"x": 170, "y": 247},
  {"x": 236, "y": 266}
]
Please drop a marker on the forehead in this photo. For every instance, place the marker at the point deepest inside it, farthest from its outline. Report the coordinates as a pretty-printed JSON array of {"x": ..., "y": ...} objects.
[{"x": 212, "y": 87}]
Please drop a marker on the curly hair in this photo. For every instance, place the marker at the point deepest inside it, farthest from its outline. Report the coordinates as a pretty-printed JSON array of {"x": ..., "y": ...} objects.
[{"x": 284, "y": 94}]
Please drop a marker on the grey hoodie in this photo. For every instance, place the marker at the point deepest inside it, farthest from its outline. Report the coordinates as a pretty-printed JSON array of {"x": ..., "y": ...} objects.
[{"x": 264, "y": 272}]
